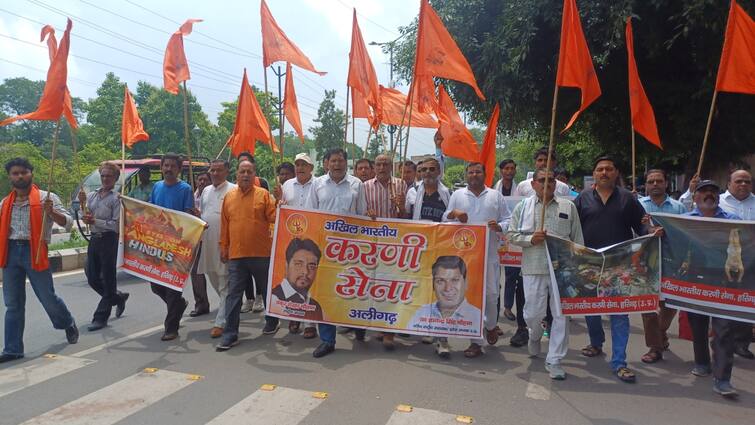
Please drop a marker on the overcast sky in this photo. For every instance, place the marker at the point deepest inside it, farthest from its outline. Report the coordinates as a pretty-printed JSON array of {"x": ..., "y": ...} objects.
[{"x": 128, "y": 37}]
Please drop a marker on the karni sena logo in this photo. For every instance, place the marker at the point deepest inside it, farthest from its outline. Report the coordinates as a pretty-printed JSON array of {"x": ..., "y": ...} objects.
[
  {"x": 296, "y": 224},
  {"x": 464, "y": 239}
]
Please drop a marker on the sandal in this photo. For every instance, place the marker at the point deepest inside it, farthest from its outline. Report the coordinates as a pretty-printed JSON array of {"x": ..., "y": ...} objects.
[
  {"x": 509, "y": 315},
  {"x": 473, "y": 351},
  {"x": 491, "y": 336},
  {"x": 652, "y": 356},
  {"x": 591, "y": 351},
  {"x": 625, "y": 375},
  {"x": 293, "y": 327}
]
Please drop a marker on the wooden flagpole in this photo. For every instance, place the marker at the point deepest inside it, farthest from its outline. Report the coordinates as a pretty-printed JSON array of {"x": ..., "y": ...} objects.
[
  {"x": 354, "y": 138},
  {"x": 223, "y": 148},
  {"x": 269, "y": 104},
  {"x": 551, "y": 146},
  {"x": 367, "y": 144},
  {"x": 186, "y": 135},
  {"x": 634, "y": 161},
  {"x": 49, "y": 186},
  {"x": 346, "y": 125},
  {"x": 707, "y": 132}
]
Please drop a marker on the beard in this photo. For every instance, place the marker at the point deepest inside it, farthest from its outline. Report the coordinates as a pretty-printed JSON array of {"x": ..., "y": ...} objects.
[{"x": 21, "y": 184}]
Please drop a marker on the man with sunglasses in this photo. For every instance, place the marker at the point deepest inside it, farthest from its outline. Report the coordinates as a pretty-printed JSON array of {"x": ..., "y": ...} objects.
[{"x": 562, "y": 220}]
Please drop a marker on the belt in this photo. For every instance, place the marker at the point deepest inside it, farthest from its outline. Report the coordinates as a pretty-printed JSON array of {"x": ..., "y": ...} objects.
[
  {"x": 102, "y": 234},
  {"x": 18, "y": 241}
]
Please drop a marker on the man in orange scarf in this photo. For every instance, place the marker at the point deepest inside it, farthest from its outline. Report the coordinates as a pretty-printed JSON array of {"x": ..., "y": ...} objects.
[{"x": 21, "y": 233}]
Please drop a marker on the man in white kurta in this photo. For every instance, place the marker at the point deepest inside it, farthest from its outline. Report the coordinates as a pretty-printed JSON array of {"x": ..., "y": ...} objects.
[
  {"x": 211, "y": 203},
  {"x": 478, "y": 204}
]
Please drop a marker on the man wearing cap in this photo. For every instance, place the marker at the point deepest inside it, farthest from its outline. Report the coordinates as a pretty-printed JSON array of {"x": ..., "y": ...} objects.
[
  {"x": 294, "y": 193},
  {"x": 724, "y": 330}
]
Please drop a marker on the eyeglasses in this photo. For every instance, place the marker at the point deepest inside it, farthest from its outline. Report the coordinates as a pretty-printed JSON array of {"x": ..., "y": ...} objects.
[{"x": 426, "y": 169}]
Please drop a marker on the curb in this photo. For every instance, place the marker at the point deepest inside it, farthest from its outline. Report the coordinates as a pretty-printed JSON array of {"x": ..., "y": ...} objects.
[{"x": 65, "y": 260}]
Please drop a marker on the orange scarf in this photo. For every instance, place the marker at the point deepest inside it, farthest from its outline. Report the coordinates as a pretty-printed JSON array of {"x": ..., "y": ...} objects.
[{"x": 35, "y": 220}]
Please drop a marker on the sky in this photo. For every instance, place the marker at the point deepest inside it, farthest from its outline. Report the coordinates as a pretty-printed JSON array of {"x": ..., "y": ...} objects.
[{"x": 128, "y": 37}]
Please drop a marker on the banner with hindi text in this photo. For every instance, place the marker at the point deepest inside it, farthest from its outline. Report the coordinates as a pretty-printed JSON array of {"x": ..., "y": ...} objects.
[
  {"x": 618, "y": 279},
  {"x": 158, "y": 244},
  {"x": 708, "y": 266},
  {"x": 389, "y": 275}
]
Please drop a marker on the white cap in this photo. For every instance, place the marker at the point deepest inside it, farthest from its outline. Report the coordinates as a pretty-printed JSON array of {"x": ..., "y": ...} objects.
[{"x": 303, "y": 157}]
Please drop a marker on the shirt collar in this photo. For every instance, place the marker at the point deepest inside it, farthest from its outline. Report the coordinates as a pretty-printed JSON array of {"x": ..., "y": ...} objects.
[
  {"x": 470, "y": 193},
  {"x": 729, "y": 197},
  {"x": 459, "y": 312},
  {"x": 345, "y": 179},
  {"x": 289, "y": 291},
  {"x": 296, "y": 181}
]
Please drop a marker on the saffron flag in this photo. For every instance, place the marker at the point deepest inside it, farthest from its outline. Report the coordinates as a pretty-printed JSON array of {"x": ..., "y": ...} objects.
[
  {"x": 277, "y": 47},
  {"x": 457, "y": 140},
  {"x": 393, "y": 105},
  {"x": 251, "y": 124},
  {"x": 360, "y": 109},
  {"x": 52, "y": 103},
  {"x": 487, "y": 156},
  {"x": 643, "y": 118},
  {"x": 132, "y": 129},
  {"x": 290, "y": 106},
  {"x": 362, "y": 77},
  {"x": 575, "y": 68},
  {"x": 52, "y": 48},
  {"x": 175, "y": 66},
  {"x": 736, "y": 72},
  {"x": 437, "y": 56}
]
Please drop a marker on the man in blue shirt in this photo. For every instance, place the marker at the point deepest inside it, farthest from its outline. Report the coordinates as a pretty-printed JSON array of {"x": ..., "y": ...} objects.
[
  {"x": 173, "y": 194},
  {"x": 724, "y": 330},
  {"x": 656, "y": 324}
]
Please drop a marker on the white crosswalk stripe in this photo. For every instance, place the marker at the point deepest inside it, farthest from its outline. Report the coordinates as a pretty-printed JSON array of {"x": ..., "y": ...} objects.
[
  {"x": 419, "y": 416},
  {"x": 37, "y": 371},
  {"x": 117, "y": 401},
  {"x": 280, "y": 406}
]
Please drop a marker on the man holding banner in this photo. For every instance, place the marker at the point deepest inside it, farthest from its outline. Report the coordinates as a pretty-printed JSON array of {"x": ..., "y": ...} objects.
[
  {"x": 562, "y": 220},
  {"x": 478, "y": 204},
  {"x": 173, "y": 194},
  {"x": 724, "y": 330},
  {"x": 608, "y": 215},
  {"x": 339, "y": 193}
]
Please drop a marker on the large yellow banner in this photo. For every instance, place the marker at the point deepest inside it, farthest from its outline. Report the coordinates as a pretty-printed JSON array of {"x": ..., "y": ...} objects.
[
  {"x": 158, "y": 244},
  {"x": 407, "y": 276}
]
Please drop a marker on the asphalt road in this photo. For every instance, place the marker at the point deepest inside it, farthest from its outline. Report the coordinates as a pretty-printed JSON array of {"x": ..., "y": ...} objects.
[{"x": 102, "y": 379}]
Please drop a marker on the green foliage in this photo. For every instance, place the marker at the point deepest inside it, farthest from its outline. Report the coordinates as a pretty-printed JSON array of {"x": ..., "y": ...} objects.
[
  {"x": 329, "y": 133},
  {"x": 453, "y": 175},
  {"x": 512, "y": 46}
]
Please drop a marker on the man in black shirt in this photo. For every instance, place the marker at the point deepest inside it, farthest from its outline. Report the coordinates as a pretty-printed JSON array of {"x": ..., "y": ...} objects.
[{"x": 608, "y": 215}]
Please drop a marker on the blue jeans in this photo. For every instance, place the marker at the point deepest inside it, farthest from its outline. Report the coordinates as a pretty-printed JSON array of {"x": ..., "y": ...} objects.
[
  {"x": 619, "y": 337},
  {"x": 327, "y": 333},
  {"x": 17, "y": 269}
]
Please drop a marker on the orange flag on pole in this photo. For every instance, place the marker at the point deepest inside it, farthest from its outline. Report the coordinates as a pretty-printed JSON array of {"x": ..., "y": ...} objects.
[
  {"x": 643, "y": 118},
  {"x": 277, "y": 47},
  {"x": 437, "y": 56},
  {"x": 290, "y": 106},
  {"x": 487, "y": 156},
  {"x": 575, "y": 68},
  {"x": 393, "y": 104},
  {"x": 52, "y": 104},
  {"x": 736, "y": 72},
  {"x": 362, "y": 77},
  {"x": 132, "y": 128},
  {"x": 251, "y": 124},
  {"x": 175, "y": 66},
  {"x": 52, "y": 49},
  {"x": 457, "y": 140}
]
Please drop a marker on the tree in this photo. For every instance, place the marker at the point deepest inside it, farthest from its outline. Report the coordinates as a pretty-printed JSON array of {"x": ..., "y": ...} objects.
[
  {"x": 512, "y": 47},
  {"x": 105, "y": 112},
  {"x": 329, "y": 133},
  {"x": 375, "y": 147}
]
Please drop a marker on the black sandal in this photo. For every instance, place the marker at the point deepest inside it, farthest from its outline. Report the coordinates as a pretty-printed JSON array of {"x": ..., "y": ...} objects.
[{"x": 591, "y": 351}]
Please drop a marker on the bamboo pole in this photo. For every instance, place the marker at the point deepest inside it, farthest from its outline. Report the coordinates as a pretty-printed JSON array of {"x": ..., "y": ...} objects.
[
  {"x": 281, "y": 115},
  {"x": 634, "y": 161},
  {"x": 123, "y": 168},
  {"x": 186, "y": 135},
  {"x": 353, "y": 138},
  {"x": 707, "y": 132},
  {"x": 551, "y": 145},
  {"x": 223, "y": 148},
  {"x": 408, "y": 127},
  {"x": 367, "y": 144},
  {"x": 346, "y": 126},
  {"x": 272, "y": 139},
  {"x": 49, "y": 186}
]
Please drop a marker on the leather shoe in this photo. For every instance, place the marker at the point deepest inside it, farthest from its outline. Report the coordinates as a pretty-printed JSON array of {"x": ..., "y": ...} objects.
[
  {"x": 121, "y": 306},
  {"x": 169, "y": 336},
  {"x": 195, "y": 313},
  {"x": 323, "y": 350},
  {"x": 309, "y": 332},
  {"x": 95, "y": 326},
  {"x": 216, "y": 332},
  {"x": 72, "y": 334},
  {"x": 9, "y": 357},
  {"x": 744, "y": 352}
]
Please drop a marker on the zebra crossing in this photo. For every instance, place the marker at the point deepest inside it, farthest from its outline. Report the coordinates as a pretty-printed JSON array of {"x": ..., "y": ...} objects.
[{"x": 270, "y": 404}]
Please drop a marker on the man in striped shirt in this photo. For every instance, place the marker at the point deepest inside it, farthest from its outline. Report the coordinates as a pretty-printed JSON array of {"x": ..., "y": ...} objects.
[{"x": 386, "y": 196}]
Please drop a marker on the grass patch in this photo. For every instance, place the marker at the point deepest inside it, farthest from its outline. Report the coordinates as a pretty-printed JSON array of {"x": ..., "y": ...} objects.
[{"x": 75, "y": 241}]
